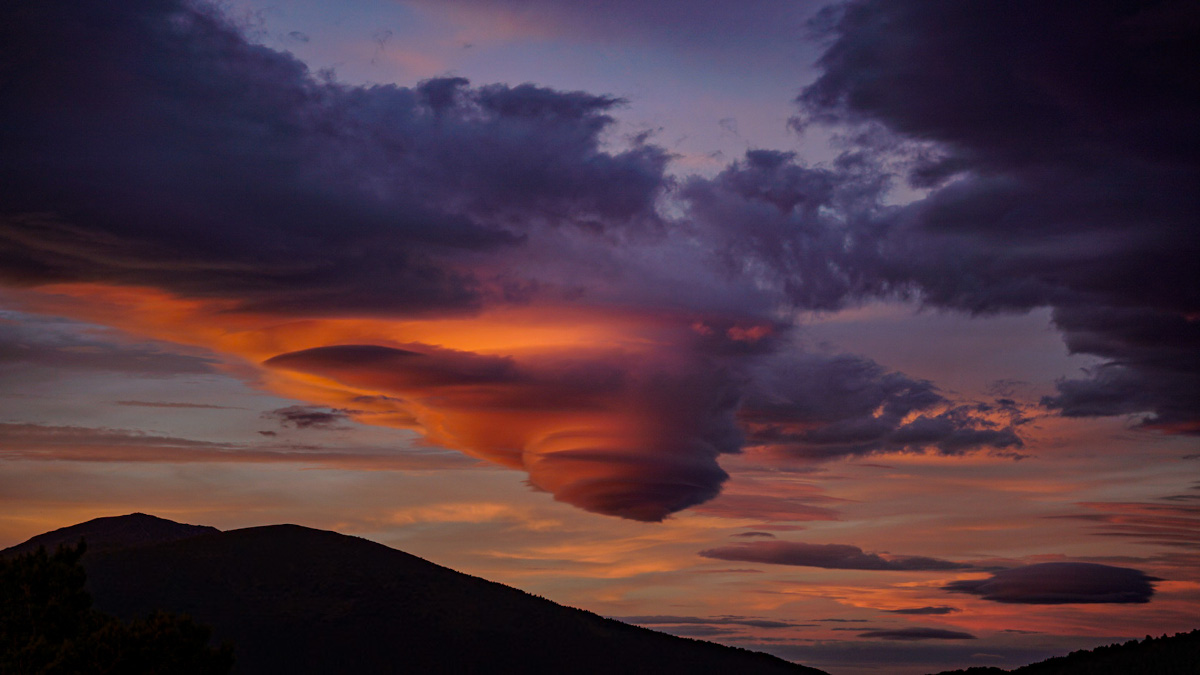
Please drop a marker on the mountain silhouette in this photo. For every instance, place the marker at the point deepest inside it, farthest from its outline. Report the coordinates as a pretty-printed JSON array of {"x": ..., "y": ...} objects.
[
  {"x": 293, "y": 599},
  {"x": 1177, "y": 654},
  {"x": 113, "y": 532}
]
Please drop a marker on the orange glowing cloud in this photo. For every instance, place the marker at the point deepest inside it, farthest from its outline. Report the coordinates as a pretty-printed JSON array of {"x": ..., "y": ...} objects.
[
  {"x": 615, "y": 410},
  {"x": 610, "y": 412}
]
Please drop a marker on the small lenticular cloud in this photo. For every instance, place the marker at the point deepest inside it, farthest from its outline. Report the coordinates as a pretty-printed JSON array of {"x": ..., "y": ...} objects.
[{"x": 1061, "y": 583}]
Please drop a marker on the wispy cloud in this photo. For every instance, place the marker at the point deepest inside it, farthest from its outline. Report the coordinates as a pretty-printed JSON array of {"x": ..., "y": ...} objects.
[
  {"x": 918, "y": 634},
  {"x": 828, "y": 556},
  {"x": 174, "y": 404}
]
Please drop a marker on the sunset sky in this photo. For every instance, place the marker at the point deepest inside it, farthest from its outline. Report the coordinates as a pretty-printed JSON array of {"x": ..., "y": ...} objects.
[{"x": 867, "y": 335}]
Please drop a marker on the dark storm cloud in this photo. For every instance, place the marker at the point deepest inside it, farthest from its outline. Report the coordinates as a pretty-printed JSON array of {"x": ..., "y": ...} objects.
[
  {"x": 1060, "y": 142},
  {"x": 918, "y": 634},
  {"x": 818, "y": 406},
  {"x": 308, "y": 417},
  {"x": 800, "y": 231},
  {"x": 147, "y": 142},
  {"x": 1061, "y": 583},
  {"x": 827, "y": 556},
  {"x": 1139, "y": 344}
]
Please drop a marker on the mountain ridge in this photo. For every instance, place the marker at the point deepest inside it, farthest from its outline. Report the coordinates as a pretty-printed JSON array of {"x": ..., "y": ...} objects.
[
  {"x": 1177, "y": 654},
  {"x": 299, "y": 600},
  {"x": 112, "y": 532}
]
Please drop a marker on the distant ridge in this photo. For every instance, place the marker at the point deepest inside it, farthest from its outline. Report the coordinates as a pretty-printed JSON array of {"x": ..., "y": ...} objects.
[
  {"x": 113, "y": 532},
  {"x": 1178, "y": 654},
  {"x": 297, "y": 600}
]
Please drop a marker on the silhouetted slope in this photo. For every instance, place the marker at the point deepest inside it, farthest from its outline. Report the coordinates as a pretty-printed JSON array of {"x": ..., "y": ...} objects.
[
  {"x": 299, "y": 600},
  {"x": 1167, "y": 655},
  {"x": 135, "y": 529}
]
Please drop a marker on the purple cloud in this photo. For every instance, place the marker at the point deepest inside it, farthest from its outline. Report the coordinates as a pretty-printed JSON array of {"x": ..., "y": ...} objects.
[
  {"x": 922, "y": 611},
  {"x": 1061, "y": 583},
  {"x": 827, "y": 556},
  {"x": 1059, "y": 143},
  {"x": 308, "y": 417},
  {"x": 282, "y": 190},
  {"x": 823, "y": 407}
]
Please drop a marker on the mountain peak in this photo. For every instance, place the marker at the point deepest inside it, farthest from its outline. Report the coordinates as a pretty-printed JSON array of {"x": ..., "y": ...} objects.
[{"x": 113, "y": 532}]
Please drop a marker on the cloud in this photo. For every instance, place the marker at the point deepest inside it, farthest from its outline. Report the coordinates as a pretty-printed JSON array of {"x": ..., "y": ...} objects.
[
  {"x": 59, "y": 344},
  {"x": 51, "y": 443},
  {"x": 702, "y": 632},
  {"x": 1060, "y": 583},
  {"x": 632, "y": 436},
  {"x": 1175, "y": 523},
  {"x": 924, "y": 610},
  {"x": 308, "y": 417},
  {"x": 765, "y": 507},
  {"x": 1057, "y": 142},
  {"x": 714, "y": 621},
  {"x": 283, "y": 191},
  {"x": 918, "y": 634},
  {"x": 792, "y": 229},
  {"x": 821, "y": 407},
  {"x": 322, "y": 231},
  {"x": 1151, "y": 366},
  {"x": 827, "y": 556},
  {"x": 396, "y": 369},
  {"x": 233, "y": 186},
  {"x": 173, "y": 404}
]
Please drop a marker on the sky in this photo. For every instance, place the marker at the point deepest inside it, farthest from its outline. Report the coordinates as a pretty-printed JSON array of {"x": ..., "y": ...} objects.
[{"x": 863, "y": 334}]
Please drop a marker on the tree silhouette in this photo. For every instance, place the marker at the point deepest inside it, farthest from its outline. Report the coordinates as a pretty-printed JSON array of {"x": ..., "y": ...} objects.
[
  {"x": 48, "y": 627},
  {"x": 1167, "y": 655}
]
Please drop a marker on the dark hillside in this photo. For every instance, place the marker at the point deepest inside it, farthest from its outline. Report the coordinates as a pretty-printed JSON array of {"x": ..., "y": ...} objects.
[
  {"x": 298, "y": 600},
  {"x": 135, "y": 529},
  {"x": 1167, "y": 655}
]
